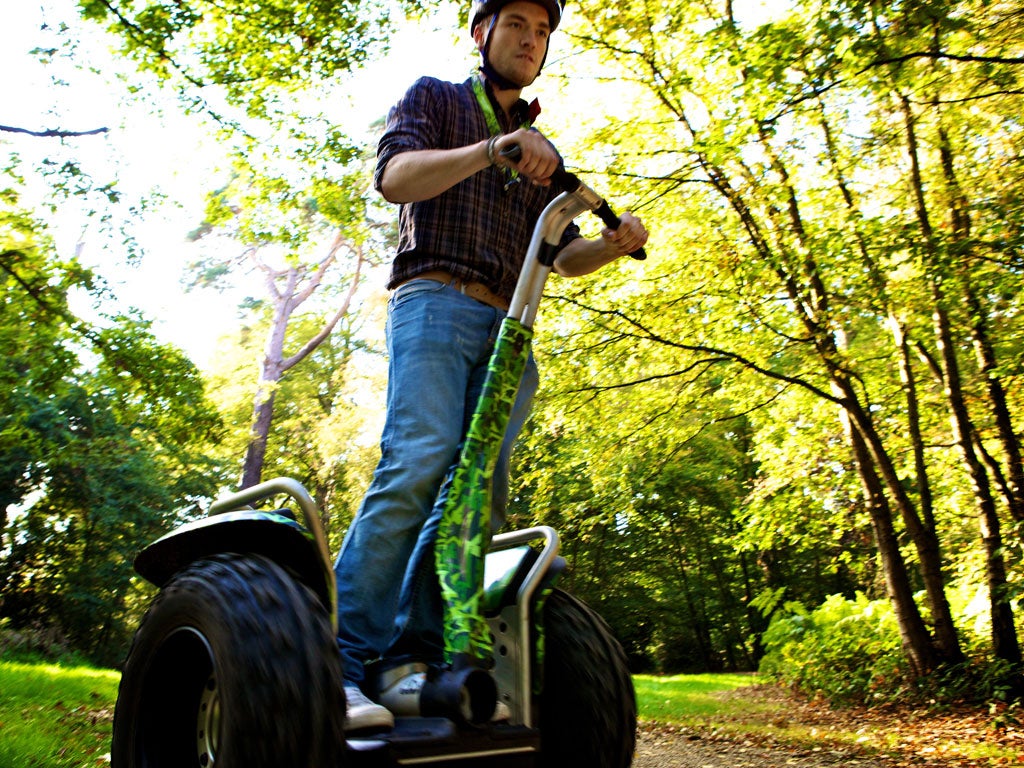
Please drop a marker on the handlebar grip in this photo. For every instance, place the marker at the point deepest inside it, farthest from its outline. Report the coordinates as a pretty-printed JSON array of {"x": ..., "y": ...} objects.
[
  {"x": 612, "y": 221},
  {"x": 568, "y": 182}
]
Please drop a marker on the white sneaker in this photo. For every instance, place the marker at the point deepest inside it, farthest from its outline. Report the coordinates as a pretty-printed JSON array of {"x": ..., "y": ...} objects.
[
  {"x": 362, "y": 714},
  {"x": 501, "y": 712}
]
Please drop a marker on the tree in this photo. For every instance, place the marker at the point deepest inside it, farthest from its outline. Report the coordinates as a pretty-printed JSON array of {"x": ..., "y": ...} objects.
[
  {"x": 250, "y": 54},
  {"x": 106, "y": 433},
  {"x": 101, "y": 457},
  {"x": 295, "y": 176},
  {"x": 287, "y": 292},
  {"x": 933, "y": 29},
  {"x": 266, "y": 215},
  {"x": 325, "y": 415},
  {"x": 798, "y": 280}
]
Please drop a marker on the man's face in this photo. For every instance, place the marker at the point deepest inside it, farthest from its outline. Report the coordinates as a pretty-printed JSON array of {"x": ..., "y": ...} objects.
[{"x": 519, "y": 41}]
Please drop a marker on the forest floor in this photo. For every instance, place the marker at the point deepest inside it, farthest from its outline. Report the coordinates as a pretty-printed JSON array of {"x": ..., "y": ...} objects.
[{"x": 812, "y": 734}]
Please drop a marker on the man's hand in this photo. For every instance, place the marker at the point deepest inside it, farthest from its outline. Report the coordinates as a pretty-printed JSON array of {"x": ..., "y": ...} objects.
[
  {"x": 630, "y": 235},
  {"x": 582, "y": 256},
  {"x": 539, "y": 157}
]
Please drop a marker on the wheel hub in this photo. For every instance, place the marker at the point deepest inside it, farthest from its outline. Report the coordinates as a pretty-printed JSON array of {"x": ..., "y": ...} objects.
[{"x": 208, "y": 723}]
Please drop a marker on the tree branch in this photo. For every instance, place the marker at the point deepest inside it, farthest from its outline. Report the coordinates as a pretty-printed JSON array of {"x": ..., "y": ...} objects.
[
  {"x": 937, "y": 55},
  {"x": 716, "y": 355},
  {"x": 52, "y": 133},
  {"x": 328, "y": 327}
]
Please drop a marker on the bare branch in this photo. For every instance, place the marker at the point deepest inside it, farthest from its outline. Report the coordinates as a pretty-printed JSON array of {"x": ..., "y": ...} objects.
[
  {"x": 328, "y": 327},
  {"x": 938, "y": 55},
  {"x": 52, "y": 133}
]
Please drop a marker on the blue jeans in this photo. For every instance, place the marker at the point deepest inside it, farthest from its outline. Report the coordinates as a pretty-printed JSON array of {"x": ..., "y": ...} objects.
[{"x": 439, "y": 344}]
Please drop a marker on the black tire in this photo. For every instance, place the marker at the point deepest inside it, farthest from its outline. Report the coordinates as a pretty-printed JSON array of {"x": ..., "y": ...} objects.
[
  {"x": 587, "y": 705},
  {"x": 234, "y": 666}
]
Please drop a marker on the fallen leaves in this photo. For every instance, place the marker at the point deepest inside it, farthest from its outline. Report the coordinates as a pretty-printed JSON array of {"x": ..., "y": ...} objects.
[{"x": 963, "y": 736}]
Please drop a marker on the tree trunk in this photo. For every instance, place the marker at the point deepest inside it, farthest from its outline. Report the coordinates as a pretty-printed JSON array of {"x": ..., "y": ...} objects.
[
  {"x": 256, "y": 450},
  {"x": 909, "y": 385},
  {"x": 815, "y": 305},
  {"x": 271, "y": 371},
  {"x": 1005, "y": 644},
  {"x": 698, "y": 622},
  {"x": 811, "y": 302},
  {"x": 1000, "y": 411},
  {"x": 286, "y": 300},
  {"x": 1004, "y": 636},
  {"x": 924, "y": 533},
  {"x": 917, "y": 642},
  {"x": 922, "y": 527},
  {"x": 984, "y": 350}
]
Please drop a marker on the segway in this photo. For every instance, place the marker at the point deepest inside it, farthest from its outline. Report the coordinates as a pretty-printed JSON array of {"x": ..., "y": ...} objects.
[{"x": 236, "y": 665}]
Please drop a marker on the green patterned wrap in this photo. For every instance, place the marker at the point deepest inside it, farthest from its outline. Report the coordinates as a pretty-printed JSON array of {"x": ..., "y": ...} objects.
[{"x": 464, "y": 533}]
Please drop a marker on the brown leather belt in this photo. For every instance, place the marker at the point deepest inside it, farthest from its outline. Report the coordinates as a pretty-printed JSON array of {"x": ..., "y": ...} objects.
[{"x": 477, "y": 291}]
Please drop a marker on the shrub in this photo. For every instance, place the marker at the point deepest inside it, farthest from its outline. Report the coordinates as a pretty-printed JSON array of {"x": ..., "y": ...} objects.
[
  {"x": 846, "y": 650},
  {"x": 37, "y": 642}
]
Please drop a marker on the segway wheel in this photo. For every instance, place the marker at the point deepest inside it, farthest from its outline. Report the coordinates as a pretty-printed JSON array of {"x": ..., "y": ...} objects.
[
  {"x": 234, "y": 665},
  {"x": 587, "y": 705}
]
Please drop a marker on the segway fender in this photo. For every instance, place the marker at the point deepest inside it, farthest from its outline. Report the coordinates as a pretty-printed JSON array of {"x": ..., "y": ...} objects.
[{"x": 276, "y": 535}]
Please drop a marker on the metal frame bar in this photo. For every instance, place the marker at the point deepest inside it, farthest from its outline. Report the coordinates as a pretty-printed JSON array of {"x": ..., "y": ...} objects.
[{"x": 534, "y": 578}]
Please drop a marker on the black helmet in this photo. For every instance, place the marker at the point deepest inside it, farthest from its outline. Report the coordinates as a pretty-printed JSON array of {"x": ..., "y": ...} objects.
[{"x": 484, "y": 8}]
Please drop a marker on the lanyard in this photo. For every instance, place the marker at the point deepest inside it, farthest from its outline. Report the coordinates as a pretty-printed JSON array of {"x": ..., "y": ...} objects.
[{"x": 492, "y": 123}]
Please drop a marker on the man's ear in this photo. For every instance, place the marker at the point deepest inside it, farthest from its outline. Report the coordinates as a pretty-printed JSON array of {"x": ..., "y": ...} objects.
[{"x": 480, "y": 30}]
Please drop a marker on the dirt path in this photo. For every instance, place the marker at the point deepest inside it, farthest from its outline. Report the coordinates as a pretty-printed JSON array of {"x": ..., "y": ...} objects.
[
  {"x": 676, "y": 750},
  {"x": 953, "y": 737}
]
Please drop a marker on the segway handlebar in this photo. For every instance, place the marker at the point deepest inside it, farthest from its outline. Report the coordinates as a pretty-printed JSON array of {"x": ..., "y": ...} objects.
[{"x": 569, "y": 182}]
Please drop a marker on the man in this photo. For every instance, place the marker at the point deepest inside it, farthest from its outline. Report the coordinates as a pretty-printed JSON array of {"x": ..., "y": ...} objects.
[{"x": 465, "y": 220}]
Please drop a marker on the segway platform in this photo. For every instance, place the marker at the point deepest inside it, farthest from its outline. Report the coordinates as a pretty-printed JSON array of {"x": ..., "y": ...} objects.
[{"x": 436, "y": 741}]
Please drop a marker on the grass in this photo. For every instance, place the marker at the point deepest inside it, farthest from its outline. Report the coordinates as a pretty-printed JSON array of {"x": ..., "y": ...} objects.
[
  {"x": 57, "y": 716},
  {"x": 689, "y": 699},
  {"x": 716, "y": 704},
  {"x": 730, "y": 707},
  {"x": 54, "y": 716}
]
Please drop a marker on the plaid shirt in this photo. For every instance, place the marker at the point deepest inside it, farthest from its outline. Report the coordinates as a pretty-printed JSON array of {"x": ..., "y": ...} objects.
[{"x": 477, "y": 230}]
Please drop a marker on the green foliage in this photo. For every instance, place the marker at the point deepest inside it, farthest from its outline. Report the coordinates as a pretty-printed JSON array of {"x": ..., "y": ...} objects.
[
  {"x": 297, "y": 204},
  {"x": 820, "y": 177},
  {"x": 645, "y": 498},
  {"x": 37, "y": 644},
  {"x": 247, "y": 50},
  {"x": 847, "y": 650},
  {"x": 103, "y": 444}
]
